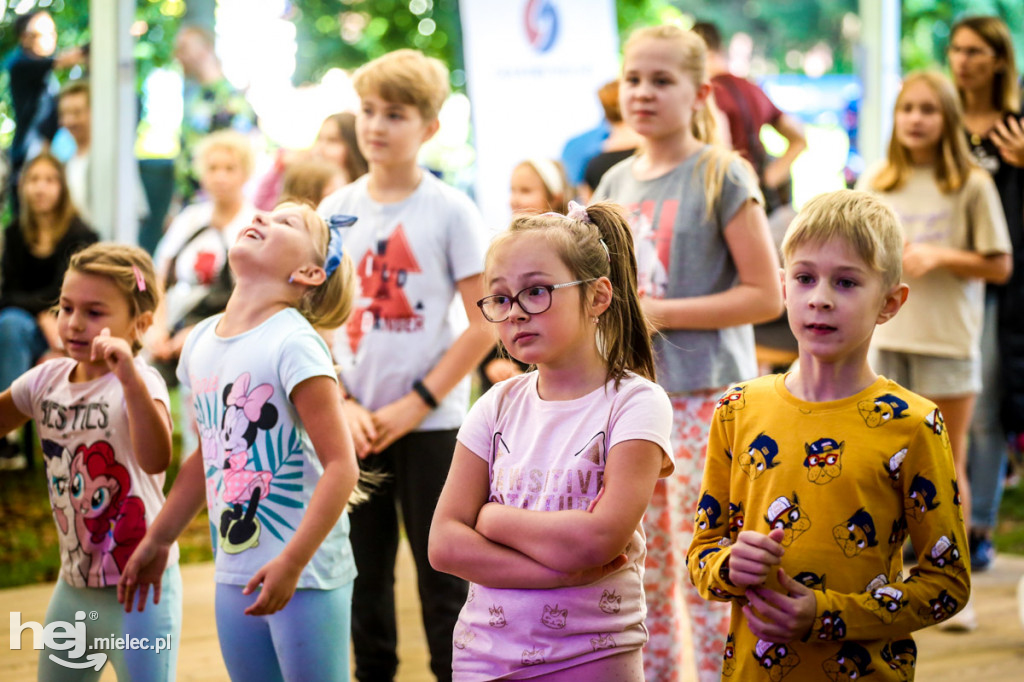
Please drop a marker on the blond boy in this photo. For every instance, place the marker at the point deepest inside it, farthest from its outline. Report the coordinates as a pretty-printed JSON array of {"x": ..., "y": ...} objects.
[
  {"x": 814, "y": 478},
  {"x": 417, "y": 245}
]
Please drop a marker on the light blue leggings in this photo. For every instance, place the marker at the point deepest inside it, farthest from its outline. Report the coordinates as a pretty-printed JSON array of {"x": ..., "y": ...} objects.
[
  {"x": 306, "y": 640},
  {"x": 103, "y": 617}
]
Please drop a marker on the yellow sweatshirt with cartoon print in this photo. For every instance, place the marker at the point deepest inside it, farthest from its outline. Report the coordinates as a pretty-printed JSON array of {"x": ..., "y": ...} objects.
[{"x": 848, "y": 481}]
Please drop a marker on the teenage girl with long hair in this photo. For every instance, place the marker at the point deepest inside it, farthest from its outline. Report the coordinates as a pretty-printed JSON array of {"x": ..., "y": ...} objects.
[{"x": 708, "y": 270}]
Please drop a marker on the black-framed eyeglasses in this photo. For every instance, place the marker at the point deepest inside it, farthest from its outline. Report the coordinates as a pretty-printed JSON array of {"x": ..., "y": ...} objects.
[{"x": 533, "y": 300}]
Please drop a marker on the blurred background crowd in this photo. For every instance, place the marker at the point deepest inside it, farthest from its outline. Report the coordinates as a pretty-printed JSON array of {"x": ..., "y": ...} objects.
[{"x": 242, "y": 102}]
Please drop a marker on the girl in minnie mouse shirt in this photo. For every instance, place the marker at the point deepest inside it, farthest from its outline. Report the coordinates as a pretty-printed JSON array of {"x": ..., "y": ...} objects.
[{"x": 277, "y": 461}]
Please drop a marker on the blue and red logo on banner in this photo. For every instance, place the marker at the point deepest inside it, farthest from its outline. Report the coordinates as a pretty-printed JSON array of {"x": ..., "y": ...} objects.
[{"x": 541, "y": 22}]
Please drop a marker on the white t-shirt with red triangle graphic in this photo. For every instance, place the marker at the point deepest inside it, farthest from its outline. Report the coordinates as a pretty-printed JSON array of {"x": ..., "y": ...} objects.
[{"x": 409, "y": 255}]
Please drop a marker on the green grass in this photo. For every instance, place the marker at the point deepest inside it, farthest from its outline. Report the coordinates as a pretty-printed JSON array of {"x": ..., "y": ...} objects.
[
  {"x": 28, "y": 535},
  {"x": 1009, "y": 536}
]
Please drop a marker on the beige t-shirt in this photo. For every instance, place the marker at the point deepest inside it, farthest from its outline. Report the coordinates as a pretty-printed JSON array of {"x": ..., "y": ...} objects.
[{"x": 943, "y": 313}]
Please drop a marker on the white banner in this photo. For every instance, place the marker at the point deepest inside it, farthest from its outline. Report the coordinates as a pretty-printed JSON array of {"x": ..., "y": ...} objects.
[{"x": 533, "y": 69}]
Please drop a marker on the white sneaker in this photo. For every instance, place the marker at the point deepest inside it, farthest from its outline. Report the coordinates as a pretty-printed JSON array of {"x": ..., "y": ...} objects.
[{"x": 966, "y": 620}]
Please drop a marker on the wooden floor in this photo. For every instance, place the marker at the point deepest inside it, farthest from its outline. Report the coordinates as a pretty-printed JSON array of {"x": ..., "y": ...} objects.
[{"x": 995, "y": 651}]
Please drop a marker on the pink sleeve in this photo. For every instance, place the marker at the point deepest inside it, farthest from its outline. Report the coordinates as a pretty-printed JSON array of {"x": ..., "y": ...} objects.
[
  {"x": 645, "y": 413},
  {"x": 155, "y": 384},
  {"x": 23, "y": 388},
  {"x": 478, "y": 427}
]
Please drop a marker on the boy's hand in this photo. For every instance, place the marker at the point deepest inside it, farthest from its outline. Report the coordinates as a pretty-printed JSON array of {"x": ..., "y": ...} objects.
[
  {"x": 753, "y": 556},
  {"x": 777, "y": 617},
  {"x": 396, "y": 419},
  {"x": 144, "y": 568},
  {"x": 279, "y": 577},
  {"x": 360, "y": 423},
  {"x": 116, "y": 352}
]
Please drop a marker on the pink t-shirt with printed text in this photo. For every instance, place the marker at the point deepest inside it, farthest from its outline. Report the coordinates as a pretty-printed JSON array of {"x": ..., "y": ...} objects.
[
  {"x": 102, "y": 500},
  {"x": 550, "y": 456}
]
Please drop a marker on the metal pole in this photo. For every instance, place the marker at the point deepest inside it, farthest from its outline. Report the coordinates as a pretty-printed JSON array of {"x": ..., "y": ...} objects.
[
  {"x": 880, "y": 71},
  {"x": 112, "y": 154}
]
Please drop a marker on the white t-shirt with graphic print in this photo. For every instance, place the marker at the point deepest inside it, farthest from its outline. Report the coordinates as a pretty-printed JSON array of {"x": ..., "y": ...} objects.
[
  {"x": 259, "y": 461},
  {"x": 197, "y": 262},
  {"x": 409, "y": 255}
]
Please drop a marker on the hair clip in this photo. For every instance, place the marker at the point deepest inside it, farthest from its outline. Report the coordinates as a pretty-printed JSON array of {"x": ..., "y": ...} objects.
[
  {"x": 140, "y": 281},
  {"x": 578, "y": 212},
  {"x": 334, "y": 250}
]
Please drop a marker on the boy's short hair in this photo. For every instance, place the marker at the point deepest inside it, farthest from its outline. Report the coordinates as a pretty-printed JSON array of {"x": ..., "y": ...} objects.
[
  {"x": 225, "y": 139},
  {"x": 867, "y": 224},
  {"x": 405, "y": 77},
  {"x": 75, "y": 87}
]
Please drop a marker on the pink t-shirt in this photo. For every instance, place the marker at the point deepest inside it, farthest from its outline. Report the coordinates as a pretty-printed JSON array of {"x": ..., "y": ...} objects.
[
  {"x": 550, "y": 456},
  {"x": 102, "y": 500}
]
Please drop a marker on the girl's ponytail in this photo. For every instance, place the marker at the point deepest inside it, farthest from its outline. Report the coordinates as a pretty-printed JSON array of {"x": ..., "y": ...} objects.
[
  {"x": 624, "y": 331},
  {"x": 330, "y": 304}
]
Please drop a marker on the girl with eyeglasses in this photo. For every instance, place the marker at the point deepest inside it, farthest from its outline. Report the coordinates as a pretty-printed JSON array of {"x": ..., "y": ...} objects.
[
  {"x": 554, "y": 468},
  {"x": 981, "y": 59}
]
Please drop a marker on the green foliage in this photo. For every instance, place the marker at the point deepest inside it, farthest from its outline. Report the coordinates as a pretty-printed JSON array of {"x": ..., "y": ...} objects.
[
  {"x": 156, "y": 23},
  {"x": 1009, "y": 535},
  {"x": 154, "y": 46},
  {"x": 780, "y": 27},
  {"x": 926, "y": 25},
  {"x": 347, "y": 33}
]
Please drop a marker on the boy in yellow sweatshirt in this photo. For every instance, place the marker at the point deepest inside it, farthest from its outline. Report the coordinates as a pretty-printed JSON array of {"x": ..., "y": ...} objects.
[{"x": 815, "y": 478}]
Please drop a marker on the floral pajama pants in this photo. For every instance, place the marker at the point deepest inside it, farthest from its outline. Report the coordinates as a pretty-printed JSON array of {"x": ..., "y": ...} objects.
[{"x": 686, "y": 632}]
